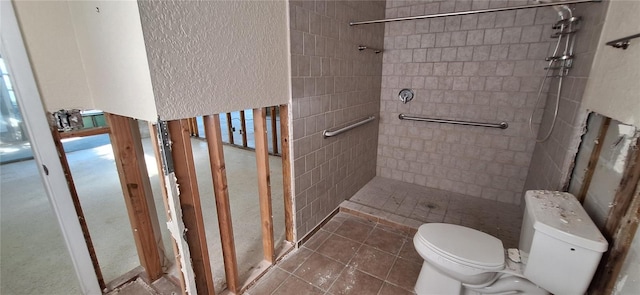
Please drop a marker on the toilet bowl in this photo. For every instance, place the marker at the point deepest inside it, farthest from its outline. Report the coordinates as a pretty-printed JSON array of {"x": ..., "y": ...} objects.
[
  {"x": 461, "y": 260},
  {"x": 468, "y": 255},
  {"x": 560, "y": 246}
]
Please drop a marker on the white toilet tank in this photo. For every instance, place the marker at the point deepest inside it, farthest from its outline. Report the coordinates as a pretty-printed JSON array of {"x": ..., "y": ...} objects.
[{"x": 563, "y": 244}]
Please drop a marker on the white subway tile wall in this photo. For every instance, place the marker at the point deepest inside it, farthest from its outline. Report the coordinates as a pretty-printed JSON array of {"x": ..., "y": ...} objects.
[
  {"x": 333, "y": 83},
  {"x": 483, "y": 67}
]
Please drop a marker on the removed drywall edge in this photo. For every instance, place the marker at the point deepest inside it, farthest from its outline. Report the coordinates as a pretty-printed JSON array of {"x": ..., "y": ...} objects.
[{"x": 176, "y": 228}]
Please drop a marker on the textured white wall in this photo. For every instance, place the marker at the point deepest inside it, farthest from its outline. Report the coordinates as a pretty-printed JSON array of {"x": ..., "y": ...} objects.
[
  {"x": 109, "y": 36},
  {"x": 613, "y": 87},
  {"x": 49, "y": 36},
  {"x": 216, "y": 56}
]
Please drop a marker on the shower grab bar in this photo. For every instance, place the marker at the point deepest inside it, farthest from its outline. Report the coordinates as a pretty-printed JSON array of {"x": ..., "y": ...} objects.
[
  {"x": 362, "y": 47},
  {"x": 470, "y": 12},
  {"x": 330, "y": 133},
  {"x": 622, "y": 42},
  {"x": 501, "y": 125}
]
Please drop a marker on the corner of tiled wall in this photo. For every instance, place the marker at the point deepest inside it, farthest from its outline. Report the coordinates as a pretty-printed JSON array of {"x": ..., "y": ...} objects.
[
  {"x": 333, "y": 83},
  {"x": 553, "y": 159}
]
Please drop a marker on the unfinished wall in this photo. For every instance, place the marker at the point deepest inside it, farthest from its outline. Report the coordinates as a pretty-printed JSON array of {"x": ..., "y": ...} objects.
[
  {"x": 610, "y": 166},
  {"x": 88, "y": 55},
  {"x": 483, "y": 67},
  {"x": 204, "y": 57},
  {"x": 209, "y": 57},
  {"x": 629, "y": 279},
  {"x": 49, "y": 36},
  {"x": 109, "y": 37},
  {"x": 553, "y": 159},
  {"x": 332, "y": 83},
  {"x": 611, "y": 89},
  {"x": 613, "y": 84}
]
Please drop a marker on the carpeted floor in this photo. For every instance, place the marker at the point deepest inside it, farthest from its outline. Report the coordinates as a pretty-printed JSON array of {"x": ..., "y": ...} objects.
[{"x": 34, "y": 260}]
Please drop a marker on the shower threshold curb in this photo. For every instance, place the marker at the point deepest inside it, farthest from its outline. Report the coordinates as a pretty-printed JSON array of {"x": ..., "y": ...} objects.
[{"x": 404, "y": 224}]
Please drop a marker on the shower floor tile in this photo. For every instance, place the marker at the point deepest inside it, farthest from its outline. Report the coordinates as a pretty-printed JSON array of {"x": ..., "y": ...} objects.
[{"x": 406, "y": 206}]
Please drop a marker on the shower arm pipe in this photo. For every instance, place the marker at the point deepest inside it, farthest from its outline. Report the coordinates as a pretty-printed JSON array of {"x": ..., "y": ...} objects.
[
  {"x": 428, "y": 16},
  {"x": 501, "y": 125}
]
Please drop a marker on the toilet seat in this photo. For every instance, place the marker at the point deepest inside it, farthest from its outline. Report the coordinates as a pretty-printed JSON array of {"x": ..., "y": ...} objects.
[{"x": 466, "y": 249}]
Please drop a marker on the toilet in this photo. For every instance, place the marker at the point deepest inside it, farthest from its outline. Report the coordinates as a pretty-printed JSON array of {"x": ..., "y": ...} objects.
[{"x": 559, "y": 250}]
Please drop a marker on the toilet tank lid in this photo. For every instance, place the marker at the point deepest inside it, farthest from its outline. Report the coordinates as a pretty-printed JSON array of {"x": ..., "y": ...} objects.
[
  {"x": 560, "y": 215},
  {"x": 463, "y": 244}
]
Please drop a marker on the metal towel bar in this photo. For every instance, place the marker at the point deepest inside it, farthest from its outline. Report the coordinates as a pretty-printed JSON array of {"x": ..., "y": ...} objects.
[
  {"x": 623, "y": 42},
  {"x": 329, "y": 133},
  {"x": 501, "y": 125}
]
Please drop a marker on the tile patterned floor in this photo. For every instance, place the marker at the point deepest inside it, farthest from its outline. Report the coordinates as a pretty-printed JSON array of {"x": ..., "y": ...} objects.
[
  {"x": 411, "y": 205},
  {"x": 348, "y": 255},
  {"x": 369, "y": 250}
]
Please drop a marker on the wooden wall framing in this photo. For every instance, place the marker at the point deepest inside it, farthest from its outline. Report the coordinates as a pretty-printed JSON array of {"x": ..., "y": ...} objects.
[
  {"x": 286, "y": 173},
  {"x": 76, "y": 204},
  {"x": 264, "y": 182},
  {"x": 273, "y": 112},
  {"x": 136, "y": 188},
  {"x": 593, "y": 159},
  {"x": 84, "y": 132},
  {"x": 153, "y": 132},
  {"x": 621, "y": 224},
  {"x": 230, "y": 128},
  {"x": 243, "y": 126},
  {"x": 193, "y": 127},
  {"x": 219, "y": 174},
  {"x": 189, "y": 198},
  {"x": 274, "y": 129}
]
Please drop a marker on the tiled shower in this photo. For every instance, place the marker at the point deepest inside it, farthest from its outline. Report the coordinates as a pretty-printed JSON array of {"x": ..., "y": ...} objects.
[{"x": 483, "y": 67}]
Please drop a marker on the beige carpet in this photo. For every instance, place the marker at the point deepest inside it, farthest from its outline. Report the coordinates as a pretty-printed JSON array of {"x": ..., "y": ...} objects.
[{"x": 34, "y": 260}]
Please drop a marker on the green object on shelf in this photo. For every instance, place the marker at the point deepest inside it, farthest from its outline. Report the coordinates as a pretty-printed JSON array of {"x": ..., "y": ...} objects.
[
  {"x": 93, "y": 120},
  {"x": 100, "y": 120},
  {"x": 87, "y": 122}
]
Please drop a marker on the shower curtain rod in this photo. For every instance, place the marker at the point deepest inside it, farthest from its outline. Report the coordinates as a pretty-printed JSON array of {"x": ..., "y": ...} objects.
[{"x": 470, "y": 12}]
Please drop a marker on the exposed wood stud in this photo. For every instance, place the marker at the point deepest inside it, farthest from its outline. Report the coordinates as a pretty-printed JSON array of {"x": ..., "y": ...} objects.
[
  {"x": 218, "y": 171},
  {"x": 286, "y": 172},
  {"x": 230, "y": 128},
  {"x": 153, "y": 131},
  {"x": 185, "y": 172},
  {"x": 243, "y": 125},
  {"x": 593, "y": 159},
  {"x": 621, "y": 224},
  {"x": 193, "y": 127},
  {"x": 136, "y": 188},
  {"x": 624, "y": 193},
  {"x": 621, "y": 246},
  {"x": 76, "y": 204},
  {"x": 84, "y": 132},
  {"x": 264, "y": 182},
  {"x": 274, "y": 130}
]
